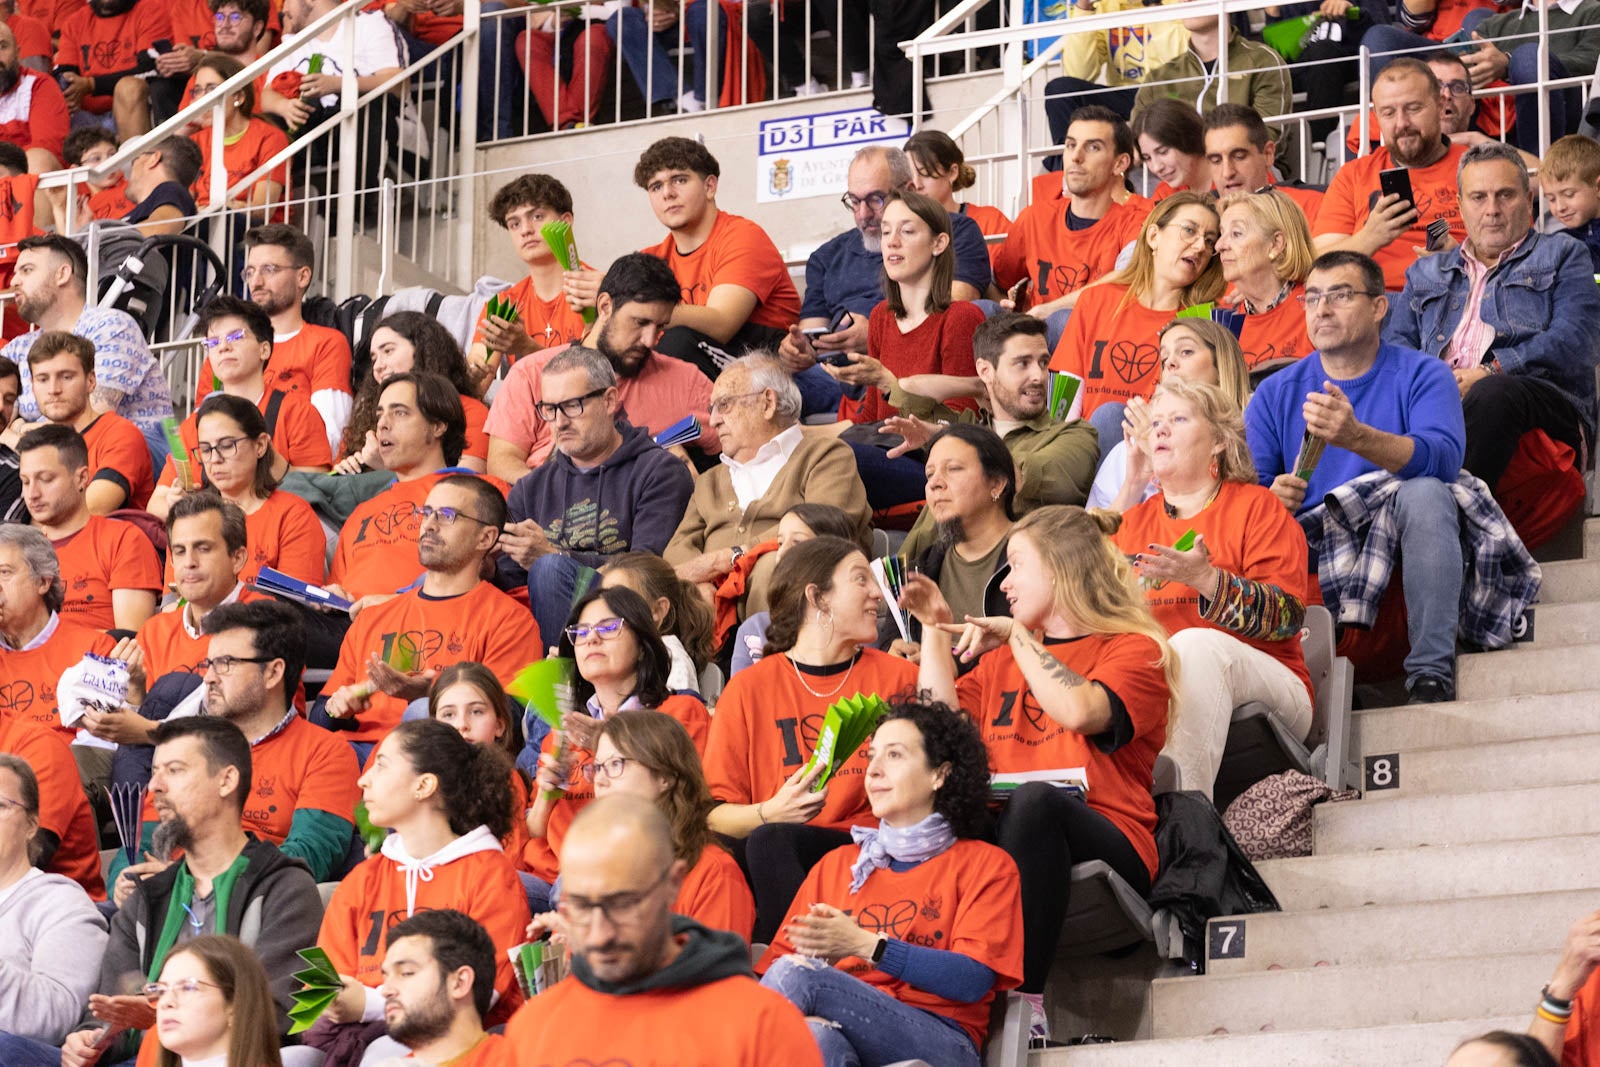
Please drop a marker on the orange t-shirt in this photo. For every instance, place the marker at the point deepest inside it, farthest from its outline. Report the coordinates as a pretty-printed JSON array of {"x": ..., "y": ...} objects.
[
  {"x": 377, "y": 550},
  {"x": 1582, "y": 1047},
  {"x": 286, "y": 535},
  {"x": 1059, "y": 260},
  {"x": 33, "y": 37},
  {"x": 111, "y": 202},
  {"x": 63, "y": 806},
  {"x": 314, "y": 359},
  {"x": 1120, "y": 781},
  {"x": 259, "y": 142},
  {"x": 731, "y": 1022},
  {"x": 483, "y": 625},
  {"x": 715, "y": 894},
  {"x": 482, "y": 885},
  {"x": 991, "y": 222},
  {"x": 1112, "y": 343},
  {"x": 193, "y": 24},
  {"x": 1355, "y": 188},
  {"x": 118, "y": 453},
  {"x": 1278, "y": 333},
  {"x": 550, "y": 322},
  {"x": 766, "y": 727},
  {"x": 105, "y": 555},
  {"x": 542, "y": 855},
  {"x": 1248, "y": 532},
  {"x": 167, "y": 645},
  {"x": 736, "y": 252},
  {"x": 1046, "y": 187},
  {"x": 300, "y": 766},
  {"x": 16, "y": 216},
  {"x": 967, "y": 899},
  {"x": 299, "y": 435},
  {"x": 28, "y": 678},
  {"x": 477, "y": 413},
  {"x": 93, "y": 45},
  {"x": 1308, "y": 200}
]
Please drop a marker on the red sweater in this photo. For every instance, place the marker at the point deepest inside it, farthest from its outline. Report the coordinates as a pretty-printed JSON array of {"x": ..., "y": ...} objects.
[{"x": 940, "y": 344}]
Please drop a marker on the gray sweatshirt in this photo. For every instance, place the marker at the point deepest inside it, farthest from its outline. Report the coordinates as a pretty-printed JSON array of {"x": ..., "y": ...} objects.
[{"x": 51, "y": 940}]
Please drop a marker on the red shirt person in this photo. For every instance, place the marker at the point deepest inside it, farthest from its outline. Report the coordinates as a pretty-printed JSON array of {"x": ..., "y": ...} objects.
[{"x": 33, "y": 113}]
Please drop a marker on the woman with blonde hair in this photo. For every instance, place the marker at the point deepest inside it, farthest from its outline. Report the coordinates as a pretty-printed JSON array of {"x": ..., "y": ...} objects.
[
  {"x": 1194, "y": 349},
  {"x": 1233, "y": 601},
  {"x": 1266, "y": 252},
  {"x": 1111, "y": 339},
  {"x": 1079, "y": 676},
  {"x": 213, "y": 1006}
]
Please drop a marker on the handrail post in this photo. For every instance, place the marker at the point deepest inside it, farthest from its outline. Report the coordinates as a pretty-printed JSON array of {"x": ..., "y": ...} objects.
[
  {"x": 919, "y": 105},
  {"x": 713, "y": 54},
  {"x": 386, "y": 227},
  {"x": 466, "y": 207},
  {"x": 349, "y": 173},
  {"x": 1364, "y": 99},
  {"x": 218, "y": 191},
  {"x": 1223, "y": 26},
  {"x": 1541, "y": 95}
]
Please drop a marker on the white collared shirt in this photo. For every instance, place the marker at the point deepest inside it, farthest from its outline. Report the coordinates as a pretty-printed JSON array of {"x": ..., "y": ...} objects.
[
  {"x": 753, "y": 478},
  {"x": 191, "y": 625},
  {"x": 1531, "y": 7},
  {"x": 39, "y": 638}
]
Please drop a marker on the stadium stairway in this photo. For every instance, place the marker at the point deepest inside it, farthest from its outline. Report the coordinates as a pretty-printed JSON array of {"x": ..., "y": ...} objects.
[{"x": 1433, "y": 908}]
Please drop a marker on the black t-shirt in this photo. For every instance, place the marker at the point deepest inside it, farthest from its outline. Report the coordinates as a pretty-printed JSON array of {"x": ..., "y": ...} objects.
[{"x": 167, "y": 193}]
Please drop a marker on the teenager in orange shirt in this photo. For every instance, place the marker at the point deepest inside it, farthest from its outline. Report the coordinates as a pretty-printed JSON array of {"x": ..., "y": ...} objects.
[
  {"x": 470, "y": 698},
  {"x": 67, "y": 839},
  {"x": 647, "y": 986},
  {"x": 737, "y": 294},
  {"x": 446, "y": 801},
  {"x": 940, "y": 170},
  {"x": 1266, "y": 252},
  {"x": 1080, "y": 677},
  {"x": 1172, "y": 139},
  {"x": 820, "y": 639},
  {"x": 548, "y": 314},
  {"x": 648, "y": 754},
  {"x": 438, "y": 985},
  {"x": 621, "y": 664},
  {"x": 248, "y": 142},
  {"x": 452, "y": 615},
  {"x": 110, "y": 568},
  {"x": 411, "y": 342},
  {"x": 921, "y": 919},
  {"x": 1111, "y": 339}
]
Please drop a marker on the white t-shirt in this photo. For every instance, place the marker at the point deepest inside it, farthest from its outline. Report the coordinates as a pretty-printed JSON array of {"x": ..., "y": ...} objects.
[{"x": 376, "y": 48}]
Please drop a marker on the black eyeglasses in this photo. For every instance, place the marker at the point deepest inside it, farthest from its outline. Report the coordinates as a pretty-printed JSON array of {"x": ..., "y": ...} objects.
[
  {"x": 224, "y": 665},
  {"x": 873, "y": 200},
  {"x": 1342, "y": 297},
  {"x": 570, "y": 408},
  {"x": 446, "y": 516},
  {"x": 224, "y": 448}
]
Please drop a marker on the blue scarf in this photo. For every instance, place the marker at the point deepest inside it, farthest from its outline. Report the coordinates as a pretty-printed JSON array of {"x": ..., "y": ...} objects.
[{"x": 885, "y": 844}]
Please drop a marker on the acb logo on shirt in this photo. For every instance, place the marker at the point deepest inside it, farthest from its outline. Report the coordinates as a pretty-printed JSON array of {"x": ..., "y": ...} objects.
[{"x": 899, "y": 919}]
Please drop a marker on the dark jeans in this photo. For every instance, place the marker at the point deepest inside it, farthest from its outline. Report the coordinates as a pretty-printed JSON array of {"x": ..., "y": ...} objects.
[
  {"x": 1503, "y": 407},
  {"x": 896, "y": 21},
  {"x": 776, "y": 858},
  {"x": 889, "y": 482},
  {"x": 1061, "y": 100},
  {"x": 1047, "y": 831}
]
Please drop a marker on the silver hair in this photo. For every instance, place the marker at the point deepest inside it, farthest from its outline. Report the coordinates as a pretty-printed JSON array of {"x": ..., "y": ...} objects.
[
  {"x": 899, "y": 163},
  {"x": 1489, "y": 152},
  {"x": 601, "y": 374},
  {"x": 766, "y": 371},
  {"x": 40, "y": 557}
]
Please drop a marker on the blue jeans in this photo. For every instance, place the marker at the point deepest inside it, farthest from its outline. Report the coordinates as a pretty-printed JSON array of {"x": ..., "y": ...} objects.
[
  {"x": 857, "y": 1025},
  {"x": 500, "y": 78},
  {"x": 647, "y": 58},
  {"x": 538, "y": 891},
  {"x": 158, "y": 448},
  {"x": 1431, "y": 566},
  {"x": 889, "y": 482},
  {"x": 1107, "y": 421},
  {"x": 25, "y": 1052},
  {"x": 1385, "y": 38},
  {"x": 820, "y": 393},
  {"x": 554, "y": 582},
  {"x": 694, "y": 23}
]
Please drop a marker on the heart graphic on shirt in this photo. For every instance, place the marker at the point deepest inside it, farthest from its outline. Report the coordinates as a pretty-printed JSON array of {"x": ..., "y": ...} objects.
[
  {"x": 1255, "y": 359},
  {"x": 395, "y": 519},
  {"x": 18, "y": 697},
  {"x": 1132, "y": 361},
  {"x": 892, "y": 919},
  {"x": 1065, "y": 279},
  {"x": 1033, "y": 712}
]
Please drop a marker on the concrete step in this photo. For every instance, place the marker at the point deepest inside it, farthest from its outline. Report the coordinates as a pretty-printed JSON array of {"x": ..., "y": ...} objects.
[
  {"x": 1380, "y": 1046},
  {"x": 1562, "y": 625},
  {"x": 1474, "y": 722},
  {"x": 1530, "y": 672},
  {"x": 1570, "y": 581},
  {"x": 1444, "y": 929},
  {"x": 1453, "y": 872},
  {"x": 1387, "y": 820},
  {"x": 1591, "y": 538},
  {"x": 1506, "y": 765},
  {"x": 1347, "y": 998}
]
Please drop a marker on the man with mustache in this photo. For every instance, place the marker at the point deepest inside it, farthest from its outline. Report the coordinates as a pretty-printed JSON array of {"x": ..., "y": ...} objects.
[
  {"x": 438, "y": 976},
  {"x": 35, "y": 112}
]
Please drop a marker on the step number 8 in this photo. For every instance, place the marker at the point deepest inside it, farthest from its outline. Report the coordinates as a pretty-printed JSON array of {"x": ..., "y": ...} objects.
[{"x": 1383, "y": 772}]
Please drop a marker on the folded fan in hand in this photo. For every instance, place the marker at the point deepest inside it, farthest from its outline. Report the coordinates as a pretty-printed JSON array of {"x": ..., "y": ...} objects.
[
  {"x": 1066, "y": 396},
  {"x": 127, "y": 811},
  {"x": 1305, "y": 464},
  {"x": 545, "y": 688},
  {"x": 320, "y": 987},
  {"x": 538, "y": 965},
  {"x": 845, "y": 728},
  {"x": 890, "y": 571},
  {"x": 180, "y": 454},
  {"x": 558, "y": 235}
]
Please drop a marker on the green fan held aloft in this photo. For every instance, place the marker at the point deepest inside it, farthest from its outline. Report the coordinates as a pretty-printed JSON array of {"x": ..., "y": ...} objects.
[
  {"x": 546, "y": 688},
  {"x": 371, "y": 836},
  {"x": 558, "y": 235},
  {"x": 320, "y": 986},
  {"x": 499, "y": 307},
  {"x": 845, "y": 728}
]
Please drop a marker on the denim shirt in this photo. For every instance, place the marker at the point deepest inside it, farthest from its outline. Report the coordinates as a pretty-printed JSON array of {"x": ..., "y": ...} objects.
[{"x": 1542, "y": 302}]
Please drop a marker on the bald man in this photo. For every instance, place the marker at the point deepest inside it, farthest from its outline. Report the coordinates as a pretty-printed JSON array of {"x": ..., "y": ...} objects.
[{"x": 646, "y": 982}]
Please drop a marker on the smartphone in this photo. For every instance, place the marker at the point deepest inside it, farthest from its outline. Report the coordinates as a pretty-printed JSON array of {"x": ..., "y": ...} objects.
[
  {"x": 1438, "y": 234},
  {"x": 842, "y": 320},
  {"x": 1016, "y": 293},
  {"x": 1396, "y": 181},
  {"x": 835, "y": 359}
]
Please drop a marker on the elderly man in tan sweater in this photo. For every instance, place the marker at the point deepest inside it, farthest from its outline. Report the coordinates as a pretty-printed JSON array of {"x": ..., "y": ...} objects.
[{"x": 768, "y": 466}]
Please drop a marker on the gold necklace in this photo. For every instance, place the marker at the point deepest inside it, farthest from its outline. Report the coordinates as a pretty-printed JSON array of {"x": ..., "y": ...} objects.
[{"x": 824, "y": 696}]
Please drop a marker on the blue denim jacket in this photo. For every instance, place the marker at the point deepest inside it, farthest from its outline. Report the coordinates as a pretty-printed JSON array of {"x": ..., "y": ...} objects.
[{"x": 1541, "y": 299}]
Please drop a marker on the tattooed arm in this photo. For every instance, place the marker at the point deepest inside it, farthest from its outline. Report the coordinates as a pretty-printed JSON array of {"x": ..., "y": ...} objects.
[{"x": 1062, "y": 693}]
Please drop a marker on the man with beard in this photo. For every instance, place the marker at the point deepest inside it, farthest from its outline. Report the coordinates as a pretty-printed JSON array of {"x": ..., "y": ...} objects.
[
  {"x": 655, "y": 391},
  {"x": 1357, "y": 216},
  {"x": 33, "y": 113},
  {"x": 1058, "y": 246},
  {"x": 438, "y": 978},
  {"x": 226, "y": 883},
  {"x": 50, "y": 281},
  {"x": 105, "y": 59},
  {"x": 396, "y": 647},
  {"x": 647, "y": 985},
  {"x": 311, "y": 360},
  {"x": 608, "y": 489}
]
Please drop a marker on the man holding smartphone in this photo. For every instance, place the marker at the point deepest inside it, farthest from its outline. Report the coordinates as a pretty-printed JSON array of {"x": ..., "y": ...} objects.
[{"x": 1388, "y": 218}]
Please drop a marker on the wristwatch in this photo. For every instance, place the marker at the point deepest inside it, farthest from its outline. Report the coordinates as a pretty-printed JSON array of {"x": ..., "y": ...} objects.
[
  {"x": 734, "y": 553},
  {"x": 883, "y": 945}
]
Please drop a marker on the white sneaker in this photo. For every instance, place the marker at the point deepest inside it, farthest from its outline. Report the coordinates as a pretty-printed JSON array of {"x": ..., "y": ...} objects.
[
  {"x": 1038, "y": 1023},
  {"x": 810, "y": 87},
  {"x": 688, "y": 103},
  {"x": 860, "y": 79}
]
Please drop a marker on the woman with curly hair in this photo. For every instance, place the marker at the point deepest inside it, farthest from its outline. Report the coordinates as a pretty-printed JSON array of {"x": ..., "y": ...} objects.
[
  {"x": 921, "y": 919},
  {"x": 409, "y": 341}
]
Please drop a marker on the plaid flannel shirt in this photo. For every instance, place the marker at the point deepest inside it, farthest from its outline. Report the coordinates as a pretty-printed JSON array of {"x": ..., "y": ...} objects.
[{"x": 1355, "y": 539}]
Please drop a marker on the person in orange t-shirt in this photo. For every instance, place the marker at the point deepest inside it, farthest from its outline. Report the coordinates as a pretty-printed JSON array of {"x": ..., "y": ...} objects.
[
  {"x": 1061, "y": 686},
  {"x": 438, "y": 981},
  {"x": 1112, "y": 340},
  {"x": 1234, "y": 602},
  {"x": 824, "y": 605},
  {"x": 1355, "y": 213},
  {"x": 674, "y": 992},
  {"x": 1573, "y": 992},
  {"x": 444, "y": 796},
  {"x": 247, "y": 142},
  {"x": 70, "y": 843},
  {"x": 1266, "y": 252},
  {"x": 921, "y": 919},
  {"x": 470, "y": 698},
  {"x": 737, "y": 294},
  {"x": 34, "y": 116},
  {"x": 97, "y": 51},
  {"x": 549, "y": 314},
  {"x": 453, "y": 615}
]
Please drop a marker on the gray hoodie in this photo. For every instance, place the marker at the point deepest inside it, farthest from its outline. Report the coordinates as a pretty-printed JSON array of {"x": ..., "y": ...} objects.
[{"x": 51, "y": 940}]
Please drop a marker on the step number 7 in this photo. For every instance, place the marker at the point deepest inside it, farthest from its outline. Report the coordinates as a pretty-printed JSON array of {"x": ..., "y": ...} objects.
[{"x": 1227, "y": 941}]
